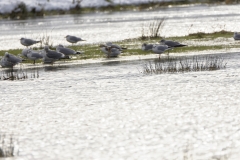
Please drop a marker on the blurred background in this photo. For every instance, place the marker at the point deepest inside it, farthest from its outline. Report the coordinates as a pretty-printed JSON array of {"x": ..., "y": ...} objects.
[
  {"x": 98, "y": 21},
  {"x": 17, "y": 9}
]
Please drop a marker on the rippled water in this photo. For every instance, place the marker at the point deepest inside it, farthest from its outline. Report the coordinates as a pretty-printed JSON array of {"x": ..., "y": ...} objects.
[
  {"x": 102, "y": 27},
  {"x": 112, "y": 111}
]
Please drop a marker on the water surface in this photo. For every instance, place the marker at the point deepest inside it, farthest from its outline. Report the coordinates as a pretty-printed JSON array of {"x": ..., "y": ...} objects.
[
  {"x": 112, "y": 111},
  {"x": 102, "y": 27}
]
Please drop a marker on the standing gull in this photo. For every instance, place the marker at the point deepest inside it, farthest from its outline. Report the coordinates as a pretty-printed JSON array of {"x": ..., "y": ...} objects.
[
  {"x": 73, "y": 39},
  {"x": 66, "y": 51},
  {"x": 9, "y": 60},
  {"x": 171, "y": 44},
  {"x": 50, "y": 56},
  {"x": 236, "y": 36},
  {"x": 32, "y": 55},
  {"x": 28, "y": 42},
  {"x": 159, "y": 49}
]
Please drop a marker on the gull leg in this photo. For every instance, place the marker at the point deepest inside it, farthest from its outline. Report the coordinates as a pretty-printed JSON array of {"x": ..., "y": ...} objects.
[{"x": 109, "y": 52}]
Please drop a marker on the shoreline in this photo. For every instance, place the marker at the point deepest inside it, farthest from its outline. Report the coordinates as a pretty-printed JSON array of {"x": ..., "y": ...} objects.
[
  {"x": 199, "y": 43},
  {"x": 120, "y": 59}
]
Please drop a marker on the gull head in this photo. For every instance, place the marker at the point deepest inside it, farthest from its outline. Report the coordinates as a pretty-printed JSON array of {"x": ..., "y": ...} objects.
[
  {"x": 163, "y": 41},
  {"x": 6, "y": 54},
  {"x": 60, "y": 45}
]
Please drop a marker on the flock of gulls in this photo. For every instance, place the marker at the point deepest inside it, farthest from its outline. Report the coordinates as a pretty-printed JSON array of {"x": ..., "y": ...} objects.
[
  {"x": 61, "y": 52},
  {"x": 47, "y": 55}
]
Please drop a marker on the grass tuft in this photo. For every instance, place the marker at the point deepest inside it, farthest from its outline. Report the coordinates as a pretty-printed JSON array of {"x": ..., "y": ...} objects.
[
  {"x": 185, "y": 64},
  {"x": 7, "y": 148},
  {"x": 46, "y": 40},
  {"x": 152, "y": 30}
]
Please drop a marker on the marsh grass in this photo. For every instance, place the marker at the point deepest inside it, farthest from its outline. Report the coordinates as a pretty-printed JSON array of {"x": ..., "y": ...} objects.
[
  {"x": 185, "y": 64},
  {"x": 152, "y": 30},
  {"x": 20, "y": 74},
  {"x": 46, "y": 40},
  {"x": 7, "y": 148}
]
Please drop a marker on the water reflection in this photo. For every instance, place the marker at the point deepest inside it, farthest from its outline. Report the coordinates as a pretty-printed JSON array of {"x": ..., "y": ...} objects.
[
  {"x": 18, "y": 74},
  {"x": 111, "y": 63},
  {"x": 102, "y": 27},
  {"x": 55, "y": 68}
]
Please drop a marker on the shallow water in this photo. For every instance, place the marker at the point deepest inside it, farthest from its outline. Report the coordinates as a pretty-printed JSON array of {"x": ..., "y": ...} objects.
[
  {"x": 112, "y": 111},
  {"x": 102, "y": 27}
]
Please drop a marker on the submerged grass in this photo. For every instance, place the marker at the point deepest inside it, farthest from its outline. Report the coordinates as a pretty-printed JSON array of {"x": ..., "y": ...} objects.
[
  {"x": 7, "y": 148},
  {"x": 20, "y": 74},
  {"x": 185, "y": 64}
]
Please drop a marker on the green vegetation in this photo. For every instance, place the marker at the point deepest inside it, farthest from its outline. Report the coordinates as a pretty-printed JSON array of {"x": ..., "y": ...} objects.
[{"x": 214, "y": 35}]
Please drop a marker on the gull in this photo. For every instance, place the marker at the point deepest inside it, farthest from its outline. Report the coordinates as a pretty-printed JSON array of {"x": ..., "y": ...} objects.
[
  {"x": 171, "y": 44},
  {"x": 115, "y": 46},
  {"x": 104, "y": 48},
  {"x": 66, "y": 51},
  {"x": 114, "y": 52},
  {"x": 73, "y": 39},
  {"x": 9, "y": 60},
  {"x": 50, "y": 56},
  {"x": 110, "y": 51},
  {"x": 236, "y": 36},
  {"x": 28, "y": 42},
  {"x": 32, "y": 55},
  {"x": 147, "y": 47},
  {"x": 159, "y": 49}
]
